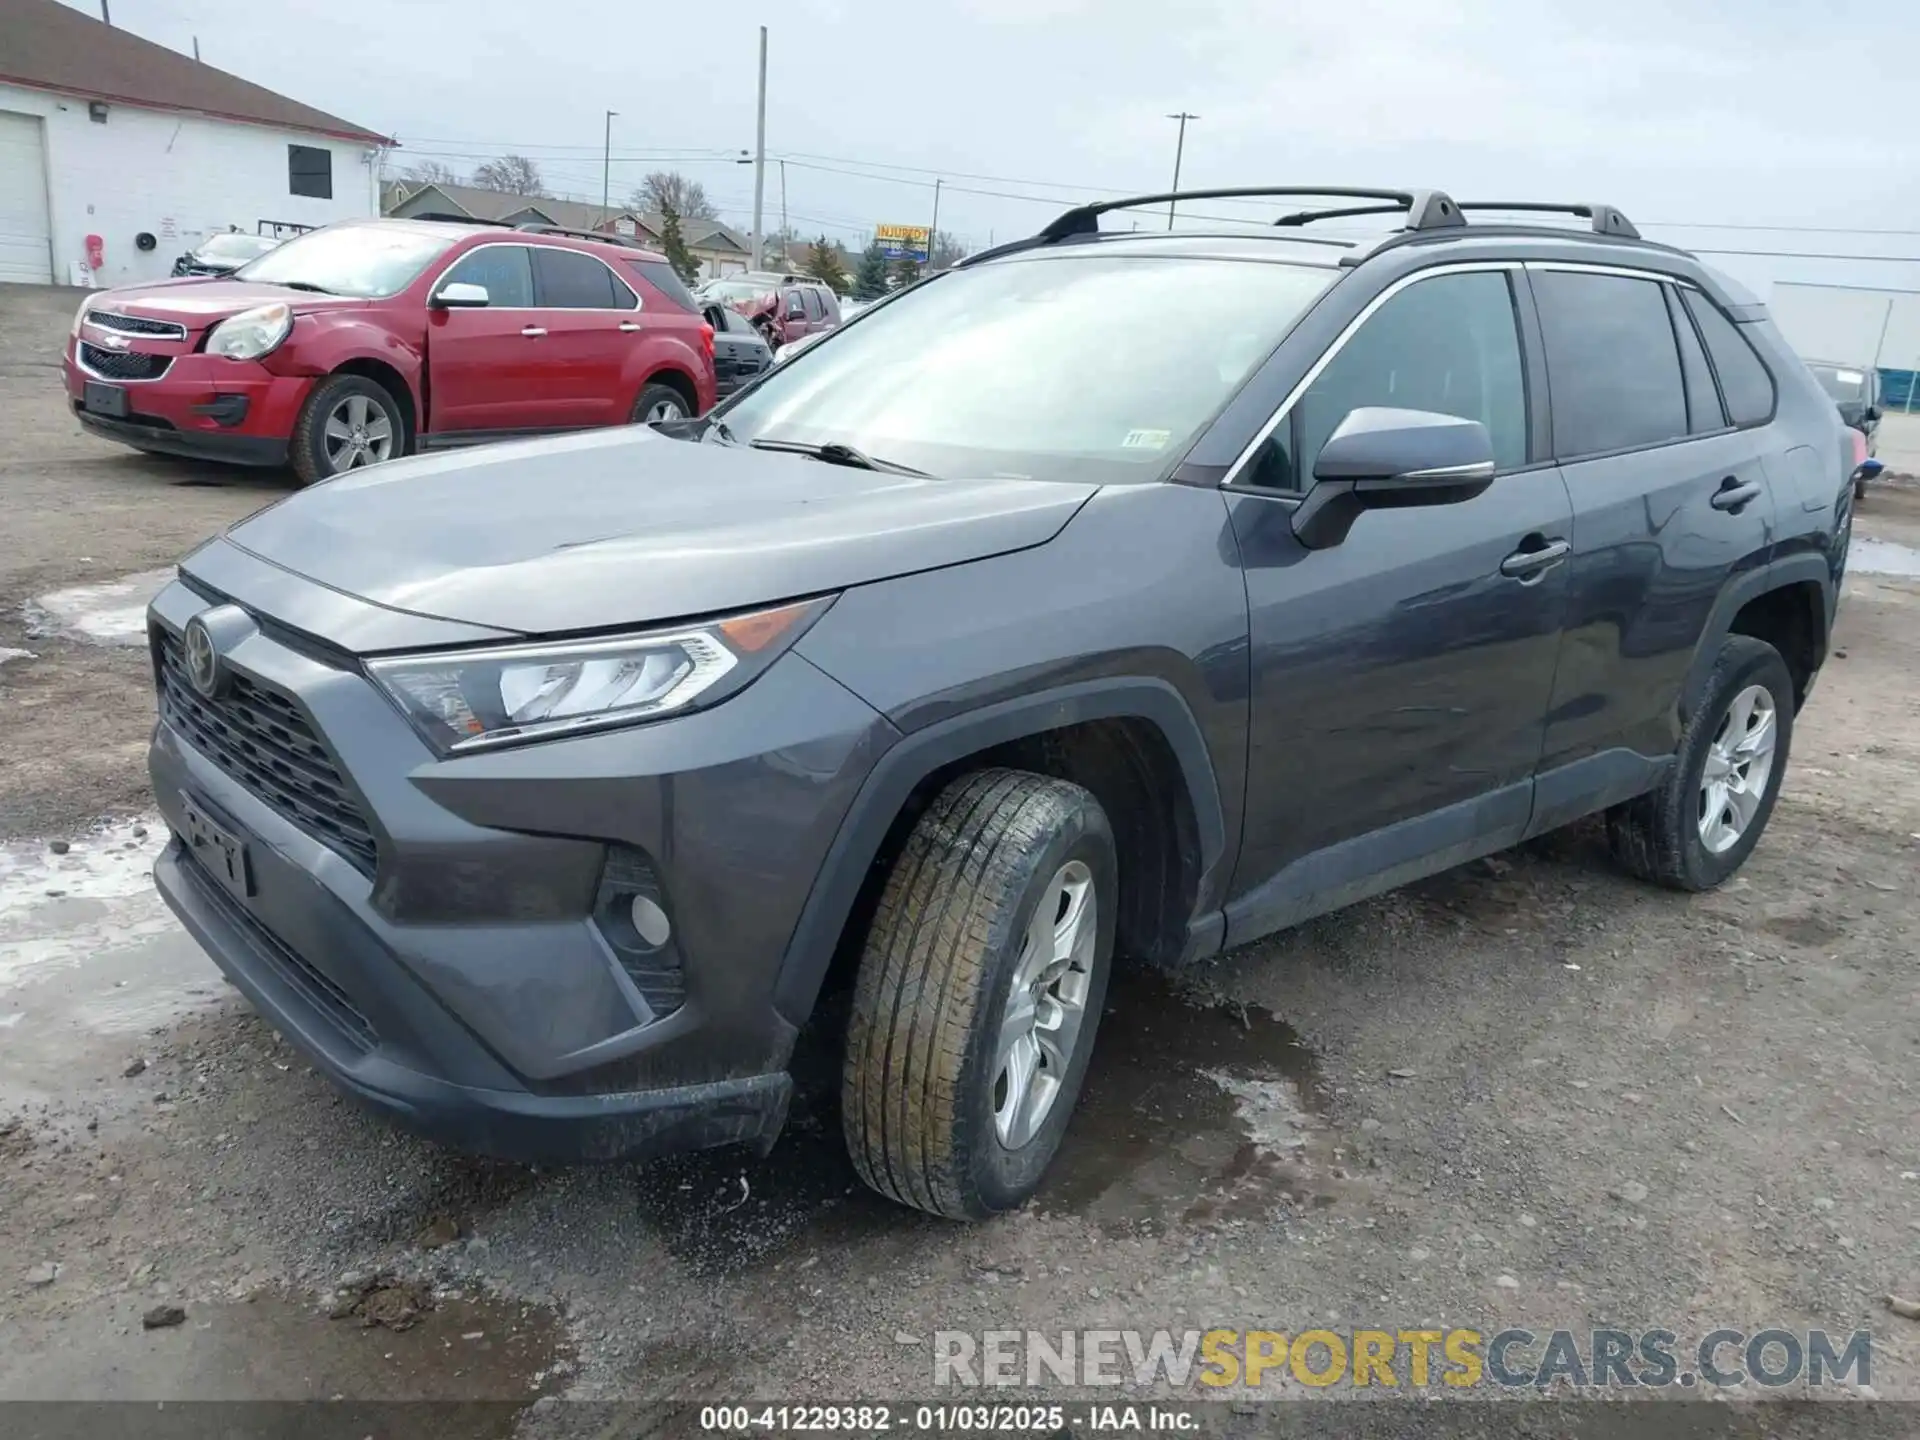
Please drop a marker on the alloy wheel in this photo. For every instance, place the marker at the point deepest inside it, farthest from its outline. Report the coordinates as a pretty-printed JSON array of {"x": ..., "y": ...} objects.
[
  {"x": 357, "y": 433},
  {"x": 1046, "y": 1005},
  {"x": 665, "y": 410},
  {"x": 1739, "y": 763}
]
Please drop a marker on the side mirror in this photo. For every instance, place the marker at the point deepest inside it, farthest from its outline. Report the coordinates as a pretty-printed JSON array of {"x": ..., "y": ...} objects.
[
  {"x": 1380, "y": 458},
  {"x": 460, "y": 296}
]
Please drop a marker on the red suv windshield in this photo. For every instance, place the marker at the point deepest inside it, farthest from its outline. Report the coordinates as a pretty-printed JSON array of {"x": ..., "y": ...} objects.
[{"x": 371, "y": 261}]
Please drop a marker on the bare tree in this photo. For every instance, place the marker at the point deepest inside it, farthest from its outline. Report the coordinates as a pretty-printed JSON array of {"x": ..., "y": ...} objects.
[
  {"x": 430, "y": 172},
  {"x": 512, "y": 175},
  {"x": 668, "y": 189},
  {"x": 948, "y": 250}
]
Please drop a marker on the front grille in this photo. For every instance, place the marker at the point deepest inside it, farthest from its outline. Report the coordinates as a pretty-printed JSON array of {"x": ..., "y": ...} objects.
[
  {"x": 262, "y": 740},
  {"x": 123, "y": 364},
  {"x": 136, "y": 325},
  {"x": 316, "y": 989}
]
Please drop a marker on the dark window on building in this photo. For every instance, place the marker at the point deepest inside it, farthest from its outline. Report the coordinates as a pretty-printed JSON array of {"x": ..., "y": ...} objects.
[
  {"x": 1703, "y": 396},
  {"x": 569, "y": 280},
  {"x": 1612, "y": 361},
  {"x": 1744, "y": 380},
  {"x": 310, "y": 171}
]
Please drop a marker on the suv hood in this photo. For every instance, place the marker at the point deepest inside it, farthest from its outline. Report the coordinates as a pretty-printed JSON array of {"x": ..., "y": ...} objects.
[
  {"x": 196, "y": 303},
  {"x": 625, "y": 527}
]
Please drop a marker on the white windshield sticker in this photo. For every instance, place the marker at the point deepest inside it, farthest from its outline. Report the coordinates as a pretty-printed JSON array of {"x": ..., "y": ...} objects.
[{"x": 1146, "y": 440}]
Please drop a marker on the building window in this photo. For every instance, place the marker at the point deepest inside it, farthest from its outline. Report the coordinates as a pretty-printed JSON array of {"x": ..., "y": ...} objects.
[{"x": 310, "y": 171}]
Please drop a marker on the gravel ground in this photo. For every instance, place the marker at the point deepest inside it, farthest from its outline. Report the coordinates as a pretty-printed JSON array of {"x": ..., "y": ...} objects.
[{"x": 1528, "y": 1091}]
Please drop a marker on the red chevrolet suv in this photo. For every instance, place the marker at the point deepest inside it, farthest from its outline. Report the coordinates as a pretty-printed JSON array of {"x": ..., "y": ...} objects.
[{"x": 368, "y": 340}]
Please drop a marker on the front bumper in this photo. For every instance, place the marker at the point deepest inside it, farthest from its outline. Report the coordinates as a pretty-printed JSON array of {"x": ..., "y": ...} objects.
[
  {"x": 459, "y": 973},
  {"x": 204, "y": 406}
]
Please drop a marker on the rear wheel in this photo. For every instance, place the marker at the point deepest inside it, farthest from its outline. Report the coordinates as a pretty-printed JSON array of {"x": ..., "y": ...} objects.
[
  {"x": 979, "y": 993},
  {"x": 348, "y": 422},
  {"x": 660, "y": 402},
  {"x": 1701, "y": 824}
]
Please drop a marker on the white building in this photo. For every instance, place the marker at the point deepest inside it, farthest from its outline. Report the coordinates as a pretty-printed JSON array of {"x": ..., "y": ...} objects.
[{"x": 103, "y": 134}]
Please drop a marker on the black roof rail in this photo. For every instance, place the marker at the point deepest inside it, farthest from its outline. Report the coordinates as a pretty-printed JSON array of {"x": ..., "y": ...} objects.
[
  {"x": 1605, "y": 219},
  {"x": 447, "y": 217},
  {"x": 605, "y": 237}
]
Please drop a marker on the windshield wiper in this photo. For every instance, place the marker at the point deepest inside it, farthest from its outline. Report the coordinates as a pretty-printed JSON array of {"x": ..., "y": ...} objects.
[
  {"x": 835, "y": 453},
  {"x": 305, "y": 285}
]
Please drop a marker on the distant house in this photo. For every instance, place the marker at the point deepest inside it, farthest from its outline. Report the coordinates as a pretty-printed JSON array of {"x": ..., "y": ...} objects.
[
  {"x": 108, "y": 138},
  {"x": 719, "y": 249}
]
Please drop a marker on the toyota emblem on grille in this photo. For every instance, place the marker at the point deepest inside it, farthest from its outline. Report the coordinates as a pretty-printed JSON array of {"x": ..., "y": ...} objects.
[{"x": 203, "y": 661}]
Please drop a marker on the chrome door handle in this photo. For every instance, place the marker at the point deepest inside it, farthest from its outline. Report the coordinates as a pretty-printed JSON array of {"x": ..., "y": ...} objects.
[
  {"x": 1527, "y": 563},
  {"x": 533, "y": 332},
  {"x": 628, "y": 326}
]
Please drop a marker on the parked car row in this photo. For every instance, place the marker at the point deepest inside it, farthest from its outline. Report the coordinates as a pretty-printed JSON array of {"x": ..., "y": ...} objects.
[
  {"x": 783, "y": 308},
  {"x": 374, "y": 339}
]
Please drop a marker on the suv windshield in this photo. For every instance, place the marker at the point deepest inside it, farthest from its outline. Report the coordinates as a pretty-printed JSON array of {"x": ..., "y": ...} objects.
[
  {"x": 1841, "y": 383},
  {"x": 734, "y": 290},
  {"x": 235, "y": 247},
  {"x": 371, "y": 261},
  {"x": 1084, "y": 367}
]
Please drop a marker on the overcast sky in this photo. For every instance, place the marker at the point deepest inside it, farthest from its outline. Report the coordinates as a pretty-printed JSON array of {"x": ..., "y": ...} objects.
[{"x": 1674, "y": 110}]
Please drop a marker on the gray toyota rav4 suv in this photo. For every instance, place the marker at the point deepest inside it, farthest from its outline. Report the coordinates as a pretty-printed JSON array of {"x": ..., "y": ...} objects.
[{"x": 1112, "y": 598}]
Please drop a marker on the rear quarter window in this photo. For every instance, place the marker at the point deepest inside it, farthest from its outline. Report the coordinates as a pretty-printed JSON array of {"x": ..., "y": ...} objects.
[
  {"x": 660, "y": 275},
  {"x": 1745, "y": 381}
]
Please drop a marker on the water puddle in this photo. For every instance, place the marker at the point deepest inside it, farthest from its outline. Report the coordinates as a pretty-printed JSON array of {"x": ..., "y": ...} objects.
[
  {"x": 1882, "y": 557},
  {"x": 112, "y": 612},
  {"x": 1194, "y": 1113},
  {"x": 274, "y": 1347}
]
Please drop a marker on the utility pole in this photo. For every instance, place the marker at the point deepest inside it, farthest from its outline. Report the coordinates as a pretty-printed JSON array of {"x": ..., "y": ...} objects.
[
  {"x": 933, "y": 235},
  {"x": 1179, "y": 148},
  {"x": 606, "y": 167},
  {"x": 196, "y": 47},
  {"x": 760, "y": 154},
  {"x": 784, "y": 231},
  {"x": 106, "y": 12}
]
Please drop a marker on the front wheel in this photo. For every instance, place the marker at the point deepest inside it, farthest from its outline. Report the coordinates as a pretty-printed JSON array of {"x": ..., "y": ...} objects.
[
  {"x": 349, "y": 421},
  {"x": 1701, "y": 824},
  {"x": 979, "y": 993}
]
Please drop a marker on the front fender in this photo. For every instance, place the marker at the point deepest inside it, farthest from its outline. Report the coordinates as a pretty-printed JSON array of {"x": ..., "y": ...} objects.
[
  {"x": 914, "y": 757},
  {"x": 321, "y": 344}
]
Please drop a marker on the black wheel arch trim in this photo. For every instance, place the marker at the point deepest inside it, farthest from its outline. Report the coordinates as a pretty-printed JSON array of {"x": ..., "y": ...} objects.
[
  {"x": 1809, "y": 566},
  {"x": 920, "y": 753}
]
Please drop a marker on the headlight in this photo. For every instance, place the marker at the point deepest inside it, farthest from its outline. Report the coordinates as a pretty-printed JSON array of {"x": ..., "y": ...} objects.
[
  {"x": 251, "y": 333},
  {"x": 463, "y": 700}
]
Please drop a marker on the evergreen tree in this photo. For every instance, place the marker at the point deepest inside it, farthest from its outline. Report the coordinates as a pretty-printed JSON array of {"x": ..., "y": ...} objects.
[
  {"x": 675, "y": 244},
  {"x": 906, "y": 270},
  {"x": 870, "y": 280},
  {"x": 823, "y": 264}
]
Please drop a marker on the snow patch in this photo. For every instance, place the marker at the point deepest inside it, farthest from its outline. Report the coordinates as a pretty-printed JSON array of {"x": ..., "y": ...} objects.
[
  {"x": 7, "y": 654},
  {"x": 1882, "y": 557},
  {"x": 1269, "y": 1111},
  {"x": 110, "y": 863},
  {"x": 113, "y": 612}
]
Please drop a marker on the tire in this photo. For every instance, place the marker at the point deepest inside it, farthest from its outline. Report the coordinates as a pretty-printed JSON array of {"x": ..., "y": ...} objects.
[
  {"x": 1663, "y": 835},
  {"x": 926, "y": 1102},
  {"x": 317, "y": 451},
  {"x": 655, "y": 401}
]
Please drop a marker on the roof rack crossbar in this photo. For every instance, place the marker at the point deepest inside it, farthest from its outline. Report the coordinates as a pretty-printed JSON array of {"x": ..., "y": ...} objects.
[
  {"x": 1425, "y": 209},
  {"x": 605, "y": 237},
  {"x": 1604, "y": 218}
]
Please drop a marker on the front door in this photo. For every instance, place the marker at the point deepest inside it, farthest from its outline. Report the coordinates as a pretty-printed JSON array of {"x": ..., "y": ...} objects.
[
  {"x": 1400, "y": 678},
  {"x": 477, "y": 357}
]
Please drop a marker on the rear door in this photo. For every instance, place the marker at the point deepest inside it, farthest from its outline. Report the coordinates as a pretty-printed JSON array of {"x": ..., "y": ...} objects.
[
  {"x": 1662, "y": 450},
  {"x": 478, "y": 358},
  {"x": 591, "y": 321}
]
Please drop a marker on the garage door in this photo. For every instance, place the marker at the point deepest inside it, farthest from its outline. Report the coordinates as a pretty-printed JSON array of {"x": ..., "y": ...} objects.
[{"x": 25, "y": 251}]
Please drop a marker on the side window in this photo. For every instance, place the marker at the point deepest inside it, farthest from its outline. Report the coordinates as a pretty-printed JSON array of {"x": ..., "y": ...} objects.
[
  {"x": 569, "y": 280},
  {"x": 310, "y": 171},
  {"x": 1612, "y": 361},
  {"x": 815, "y": 309},
  {"x": 505, "y": 270},
  {"x": 1447, "y": 344},
  {"x": 796, "y": 308},
  {"x": 1744, "y": 380},
  {"x": 1704, "y": 412}
]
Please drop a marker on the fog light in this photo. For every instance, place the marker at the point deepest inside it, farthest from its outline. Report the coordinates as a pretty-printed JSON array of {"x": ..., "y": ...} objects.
[{"x": 650, "y": 921}]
